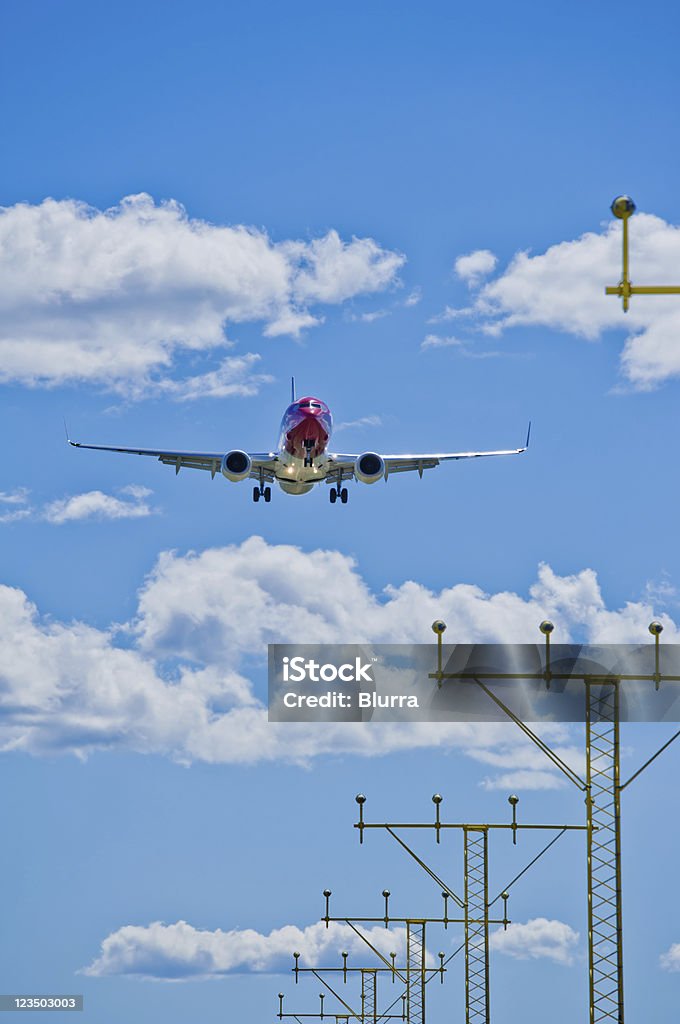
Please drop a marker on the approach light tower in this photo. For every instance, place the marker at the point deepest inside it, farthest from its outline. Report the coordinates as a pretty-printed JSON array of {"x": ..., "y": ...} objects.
[
  {"x": 473, "y": 910},
  {"x": 475, "y": 904},
  {"x": 623, "y": 207},
  {"x": 602, "y": 788},
  {"x": 414, "y": 975}
]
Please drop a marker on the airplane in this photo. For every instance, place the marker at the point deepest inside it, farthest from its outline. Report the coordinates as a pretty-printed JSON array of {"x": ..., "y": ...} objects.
[{"x": 301, "y": 459}]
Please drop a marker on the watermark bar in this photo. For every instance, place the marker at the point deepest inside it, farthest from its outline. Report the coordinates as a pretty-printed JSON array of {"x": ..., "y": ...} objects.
[
  {"x": 41, "y": 1002},
  {"x": 407, "y": 683}
]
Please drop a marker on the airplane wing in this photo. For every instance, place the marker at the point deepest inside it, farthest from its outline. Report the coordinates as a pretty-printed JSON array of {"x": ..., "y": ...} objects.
[
  {"x": 405, "y": 463},
  {"x": 263, "y": 462}
]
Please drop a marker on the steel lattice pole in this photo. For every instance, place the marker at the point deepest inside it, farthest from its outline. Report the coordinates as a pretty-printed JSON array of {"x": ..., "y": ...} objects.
[
  {"x": 415, "y": 972},
  {"x": 476, "y": 926},
  {"x": 369, "y": 998},
  {"x": 605, "y": 925}
]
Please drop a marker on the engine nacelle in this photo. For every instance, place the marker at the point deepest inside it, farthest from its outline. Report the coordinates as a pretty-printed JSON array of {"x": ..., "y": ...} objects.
[
  {"x": 236, "y": 465},
  {"x": 369, "y": 468}
]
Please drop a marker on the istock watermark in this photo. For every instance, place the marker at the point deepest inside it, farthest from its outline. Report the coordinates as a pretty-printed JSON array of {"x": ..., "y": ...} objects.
[
  {"x": 343, "y": 683},
  {"x": 399, "y": 683},
  {"x": 297, "y": 670}
]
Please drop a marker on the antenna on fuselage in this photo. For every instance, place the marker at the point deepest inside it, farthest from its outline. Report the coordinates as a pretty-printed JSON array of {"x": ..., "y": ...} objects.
[{"x": 292, "y": 389}]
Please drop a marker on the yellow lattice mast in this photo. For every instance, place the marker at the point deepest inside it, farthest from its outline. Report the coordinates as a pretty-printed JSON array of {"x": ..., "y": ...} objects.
[
  {"x": 475, "y": 904},
  {"x": 602, "y": 788},
  {"x": 413, "y": 975}
]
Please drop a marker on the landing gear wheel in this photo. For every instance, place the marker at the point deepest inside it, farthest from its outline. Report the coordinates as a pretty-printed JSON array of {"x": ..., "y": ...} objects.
[
  {"x": 256, "y": 493},
  {"x": 344, "y": 495},
  {"x": 333, "y": 496},
  {"x": 267, "y": 494}
]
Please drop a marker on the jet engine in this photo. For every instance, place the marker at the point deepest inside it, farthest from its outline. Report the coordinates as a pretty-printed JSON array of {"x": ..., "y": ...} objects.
[
  {"x": 369, "y": 467},
  {"x": 236, "y": 465}
]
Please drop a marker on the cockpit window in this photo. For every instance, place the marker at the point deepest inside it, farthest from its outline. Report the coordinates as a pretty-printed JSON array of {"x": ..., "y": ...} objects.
[{"x": 309, "y": 405}]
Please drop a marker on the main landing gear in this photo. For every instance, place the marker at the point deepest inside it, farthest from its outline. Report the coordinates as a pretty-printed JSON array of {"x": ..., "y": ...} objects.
[
  {"x": 265, "y": 492},
  {"x": 260, "y": 491},
  {"x": 338, "y": 492}
]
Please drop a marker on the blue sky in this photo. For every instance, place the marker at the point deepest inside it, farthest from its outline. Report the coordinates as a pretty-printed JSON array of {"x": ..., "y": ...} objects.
[{"x": 313, "y": 174}]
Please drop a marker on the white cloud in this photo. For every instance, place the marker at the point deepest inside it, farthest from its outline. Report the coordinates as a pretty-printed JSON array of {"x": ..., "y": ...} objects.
[
  {"x": 233, "y": 377},
  {"x": 180, "y": 951},
  {"x": 476, "y": 265},
  {"x": 463, "y": 348},
  {"x": 449, "y": 313},
  {"x": 98, "y": 505},
  {"x": 538, "y": 938},
  {"x": 330, "y": 270},
  {"x": 89, "y": 505},
  {"x": 437, "y": 341},
  {"x": 363, "y": 421},
  {"x": 175, "y": 680},
  {"x": 563, "y": 288},
  {"x": 670, "y": 960},
  {"x": 661, "y": 592},
  {"x": 17, "y": 502},
  {"x": 372, "y": 316},
  {"x": 112, "y": 296},
  {"x": 15, "y": 516},
  {"x": 528, "y": 766},
  {"x": 291, "y": 321},
  {"x": 17, "y": 497},
  {"x": 538, "y": 779},
  {"x": 413, "y": 297}
]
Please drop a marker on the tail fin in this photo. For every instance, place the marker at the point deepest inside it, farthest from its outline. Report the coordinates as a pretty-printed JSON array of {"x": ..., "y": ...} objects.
[{"x": 292, "y": 389}]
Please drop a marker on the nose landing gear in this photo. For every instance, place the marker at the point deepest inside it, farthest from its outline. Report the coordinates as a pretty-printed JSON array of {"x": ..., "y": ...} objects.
[{"x": 309, "y": 445}]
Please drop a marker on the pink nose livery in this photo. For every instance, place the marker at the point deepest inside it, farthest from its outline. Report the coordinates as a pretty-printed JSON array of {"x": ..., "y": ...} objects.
[
  {"x": 305, "y": 429},
  {"x": 302, "y": 458}
]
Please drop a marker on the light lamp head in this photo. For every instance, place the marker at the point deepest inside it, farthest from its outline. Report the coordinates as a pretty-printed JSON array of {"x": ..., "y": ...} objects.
[{"x": 623, "y": 207}]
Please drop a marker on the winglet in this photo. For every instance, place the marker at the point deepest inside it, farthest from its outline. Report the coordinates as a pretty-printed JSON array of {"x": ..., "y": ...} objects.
[
  {"x": 74, "y": 444},
  {"x": 292, "y": 389},
  {"x": 528, "y": 435}
]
